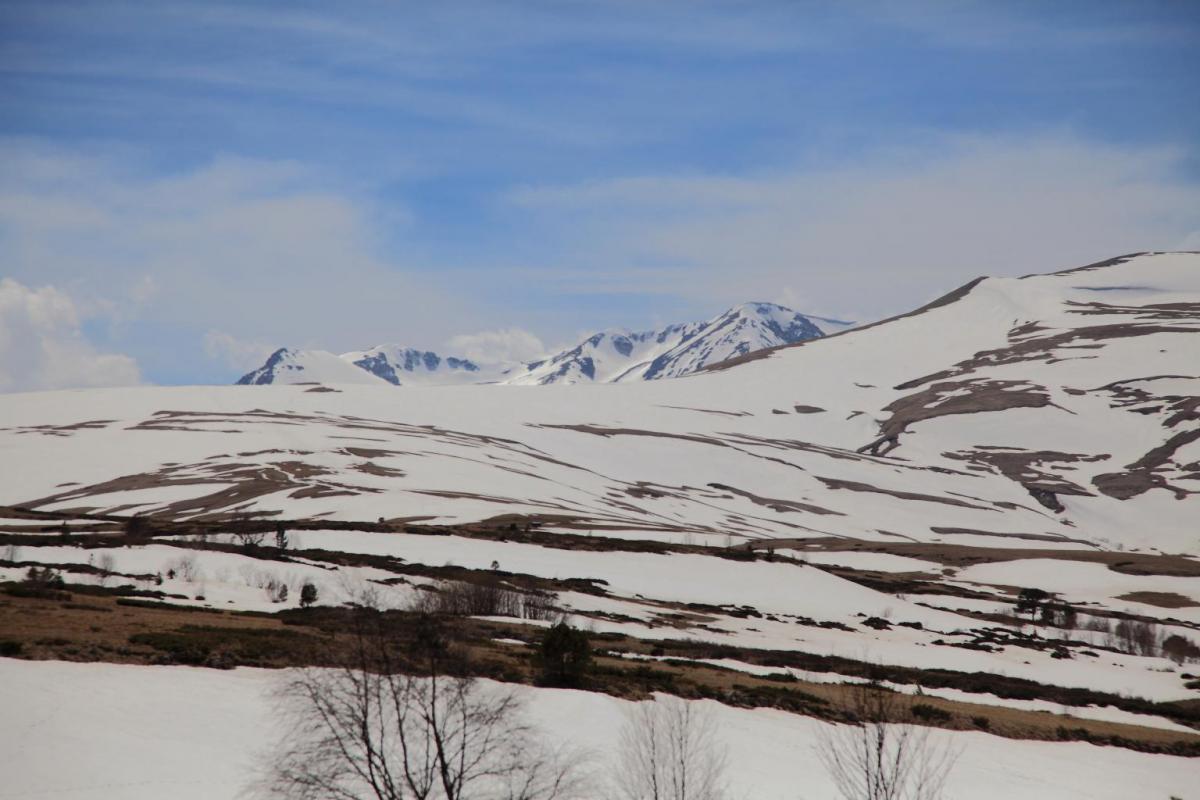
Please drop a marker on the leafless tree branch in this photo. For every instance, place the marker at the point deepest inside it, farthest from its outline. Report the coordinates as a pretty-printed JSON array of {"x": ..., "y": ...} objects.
[
  {"x": 882, "y": 756},
  {"x": 668, "y": 751},
  {"x": 404, "y": 722}
]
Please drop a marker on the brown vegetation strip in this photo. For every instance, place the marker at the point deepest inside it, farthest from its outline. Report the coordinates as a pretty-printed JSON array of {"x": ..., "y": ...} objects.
[
  {"x": 1160, "y": 599},
  {"x": 855, "y": 486},
  {"x": 960, "y": 555},
  {"x": 101, "y": 628}
]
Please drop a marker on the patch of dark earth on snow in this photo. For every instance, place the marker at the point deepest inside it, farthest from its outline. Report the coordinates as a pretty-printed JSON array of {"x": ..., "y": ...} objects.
[
  {"x": 963, "y": 555},
  {"x": 711, "y": 411},
  {"x": 961, "y": 397},
  {"x": 1147, "y": 472},
  {"x": 1160, "y": 599},
  {"x": 371, "y": 468},
  {"x": 250, "y": 481},
  {"x": 776, "y": 504},
  {"x": 1040, "y": 537},
  {"x": 1152, "y": 311},
  {"x": 600, "y": 430},
  {"x": 855, "y": 486},
  {"x": 1108, "y": 262},
  {"x": 1025, "y": 466},
  {"x": 63, "y": 430},
  {"x": 1047, "y": 348},
  {"x": 1182, "y": 408}
]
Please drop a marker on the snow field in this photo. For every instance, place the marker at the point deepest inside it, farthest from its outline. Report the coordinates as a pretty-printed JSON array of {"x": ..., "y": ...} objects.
[{"x": 144, "y": 733}]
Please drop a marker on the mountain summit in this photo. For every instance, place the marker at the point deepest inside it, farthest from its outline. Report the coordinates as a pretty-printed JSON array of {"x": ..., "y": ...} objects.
[
  {"x": 609, "y": 356},
  {"x": 621, "y": 355}
]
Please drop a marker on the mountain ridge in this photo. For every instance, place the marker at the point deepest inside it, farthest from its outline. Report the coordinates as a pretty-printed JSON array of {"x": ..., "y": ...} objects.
[{"x": 609, "y": 356}]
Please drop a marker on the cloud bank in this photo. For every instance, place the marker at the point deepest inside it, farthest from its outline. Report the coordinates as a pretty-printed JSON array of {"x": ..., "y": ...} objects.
[
  {"x": 886, "y": 234},
  {"x": 42, "y": 346},
  {"x": 508, "y": 344}
]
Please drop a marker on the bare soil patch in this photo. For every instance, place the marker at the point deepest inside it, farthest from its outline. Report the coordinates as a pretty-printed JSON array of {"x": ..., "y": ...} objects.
[{"x": 1160, "y": 599}]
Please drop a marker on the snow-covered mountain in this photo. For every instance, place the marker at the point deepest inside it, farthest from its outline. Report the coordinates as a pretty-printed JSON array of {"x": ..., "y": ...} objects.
[
  {"x": 404, "y": 365},
  {"x": 399, "y": 366},
  {"x": 883, "y": 494},
  {"x": 307, "y": 366},
  {"x": 1053, "y": 408},
  {"x": 609, "y": 356},
  {"x": 621, "y": 355}
]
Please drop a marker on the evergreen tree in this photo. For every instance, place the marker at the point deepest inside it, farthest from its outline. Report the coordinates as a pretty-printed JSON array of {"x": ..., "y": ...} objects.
[{"x": 565, "y": 656}]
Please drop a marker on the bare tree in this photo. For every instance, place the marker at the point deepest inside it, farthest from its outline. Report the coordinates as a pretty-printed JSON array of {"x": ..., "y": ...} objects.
[
  {"x": 106, "y": 565},
  {"x": 248, "y": 539},
  {"x": 1137, "y": 636},
  {"x": 668, "y": 751},
  {"x": 399, "y": 719},
  {"x": 880, "y": 755}
]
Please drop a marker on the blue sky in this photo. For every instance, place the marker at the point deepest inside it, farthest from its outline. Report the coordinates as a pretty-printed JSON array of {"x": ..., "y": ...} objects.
[{"x": 184, "y": 186}]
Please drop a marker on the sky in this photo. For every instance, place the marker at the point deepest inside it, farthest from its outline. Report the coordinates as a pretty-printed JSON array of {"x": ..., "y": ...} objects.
[{"x": 186, "y": 186}]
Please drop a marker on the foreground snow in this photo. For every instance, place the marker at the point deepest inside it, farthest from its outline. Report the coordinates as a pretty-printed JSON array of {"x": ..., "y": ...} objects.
[{"x": 92, "y": 731}]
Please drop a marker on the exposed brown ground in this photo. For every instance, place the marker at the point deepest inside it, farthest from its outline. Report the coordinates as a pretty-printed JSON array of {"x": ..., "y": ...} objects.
[
  {"x": 959, "y": 555},
  {"x": 1160, "y": 599},
  {"x": 98, "y": 628}
]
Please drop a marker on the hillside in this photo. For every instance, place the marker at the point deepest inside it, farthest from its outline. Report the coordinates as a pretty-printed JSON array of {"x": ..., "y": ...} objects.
[
  {"x": 880, "y": 495},
  {"x": 1074, "y": 391}
]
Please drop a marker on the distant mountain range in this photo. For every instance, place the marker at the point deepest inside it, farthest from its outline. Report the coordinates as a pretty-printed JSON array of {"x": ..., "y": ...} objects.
[{"x": 609, "y": 356}]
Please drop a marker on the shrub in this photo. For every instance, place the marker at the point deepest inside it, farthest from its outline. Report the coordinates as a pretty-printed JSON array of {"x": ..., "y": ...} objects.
[
  {"x": 538, "y": 605},
  {"x": 1137, "y": 636},
  {"x": 184, "y": 567},
  {"x": 40, "y": 582},
  {"x": 249, "y": 540},
  {"x": 489, "y": 599},
  {"x": 1068, "y": 618},
  {"x": 565, "y": 656},
  {"x": 277, "y": 590},
  {"x": 928, "y": 713},
  {"x": 983, "y": 723},
  {"x": 1180, "y": 649},
  {"x": 44, "y": 576},
  {"x": 10, "y": 648},
  {"x": 136, "y": 527},
  {"x": 308, "y": 594},
  {"x": 1030, "y": 601}
]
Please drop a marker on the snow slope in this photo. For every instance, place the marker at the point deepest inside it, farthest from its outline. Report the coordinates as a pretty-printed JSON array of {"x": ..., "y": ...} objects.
[
  {"x": 1056, "y": 417},
  {"x": 142, "y": 733},
  {"x": 1021, "y": 412}
]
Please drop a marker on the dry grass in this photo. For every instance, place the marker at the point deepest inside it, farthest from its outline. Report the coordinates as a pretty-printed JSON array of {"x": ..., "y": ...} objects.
[
  {"x": 960, "y": 555},
  {"x": 99, "y": 628},
  {"x": 1160, "y": 599}
]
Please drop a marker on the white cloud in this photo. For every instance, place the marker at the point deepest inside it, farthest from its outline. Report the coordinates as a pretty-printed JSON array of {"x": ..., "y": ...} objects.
[
  {"x": 883, "y": 236},
  {"x": 510, "y": 344},
  {"x": 259, "y": 251},
  {"x": 235, "y": 352},
  {"x": 42, "y": 347}
]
